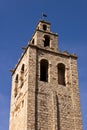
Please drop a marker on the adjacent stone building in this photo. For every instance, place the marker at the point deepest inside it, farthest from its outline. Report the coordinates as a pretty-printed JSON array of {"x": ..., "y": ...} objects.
[{"x": 45, "y": 94}]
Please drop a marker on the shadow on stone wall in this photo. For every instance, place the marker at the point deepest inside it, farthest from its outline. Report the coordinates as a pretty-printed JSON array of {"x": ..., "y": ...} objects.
[{"x": 58, "y": 113}]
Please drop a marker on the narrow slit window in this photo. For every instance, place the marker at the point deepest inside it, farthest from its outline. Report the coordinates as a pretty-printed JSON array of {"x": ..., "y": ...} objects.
[
  {"x": 33, "y": 41},
  {"x": 22, "y": 103},
  {"x": 44, "y": 70},
  {"x": 22, "y": 75},
  {"x": 16, "y": 79},
  {"x": 16, "y": 86},
  {"x": 61, "y": 74},
  {"x": 15, "y": 92},
  {"x": 22, "y": 68}
]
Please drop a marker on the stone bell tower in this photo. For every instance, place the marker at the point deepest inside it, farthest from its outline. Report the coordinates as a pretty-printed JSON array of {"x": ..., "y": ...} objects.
[{"x": 45, "y": 94}]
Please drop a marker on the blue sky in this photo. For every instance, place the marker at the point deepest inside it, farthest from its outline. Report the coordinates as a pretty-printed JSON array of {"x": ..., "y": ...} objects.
[{"x": 18, "y": 19}]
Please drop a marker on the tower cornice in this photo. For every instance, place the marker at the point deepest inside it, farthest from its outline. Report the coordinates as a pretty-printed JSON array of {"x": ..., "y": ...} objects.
[{"x": 60, "y": 53}]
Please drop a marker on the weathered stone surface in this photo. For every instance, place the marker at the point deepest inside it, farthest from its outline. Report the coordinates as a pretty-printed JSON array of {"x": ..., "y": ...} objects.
[{"x": 41, "y": 105}]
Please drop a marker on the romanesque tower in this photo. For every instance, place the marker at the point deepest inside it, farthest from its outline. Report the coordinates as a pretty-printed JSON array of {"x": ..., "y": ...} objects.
[{"x": 45, "y": 94}]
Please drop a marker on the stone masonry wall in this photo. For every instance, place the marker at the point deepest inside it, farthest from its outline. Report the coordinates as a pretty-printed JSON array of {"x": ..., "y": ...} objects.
[
  {"x": 54, "y": 106},
  {"x": 18, "y": 110}
]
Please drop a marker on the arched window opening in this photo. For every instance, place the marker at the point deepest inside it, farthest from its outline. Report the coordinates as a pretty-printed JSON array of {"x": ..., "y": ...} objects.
[
  {"x": 44, "y": 70},
  {"x": 61, "y": 74},
  {"x": 46, "y": 41},
  {"x": 44, "y": 27}
]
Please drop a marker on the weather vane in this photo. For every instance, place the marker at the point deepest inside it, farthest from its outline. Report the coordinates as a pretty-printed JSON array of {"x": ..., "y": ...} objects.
[{"x": 44, "y": 15}]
